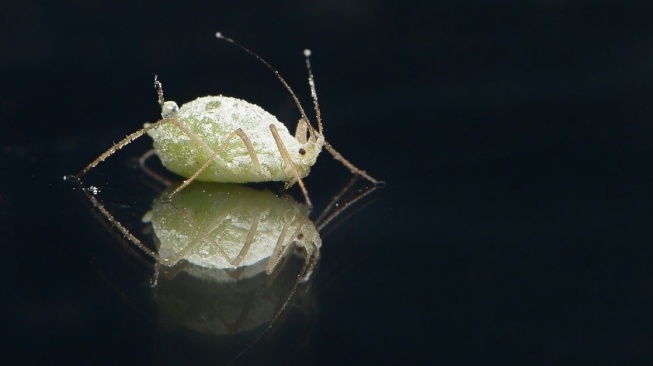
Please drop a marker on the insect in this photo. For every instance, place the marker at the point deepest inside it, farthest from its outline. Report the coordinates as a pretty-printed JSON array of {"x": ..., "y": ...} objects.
[{"x": 225, "y": 139}]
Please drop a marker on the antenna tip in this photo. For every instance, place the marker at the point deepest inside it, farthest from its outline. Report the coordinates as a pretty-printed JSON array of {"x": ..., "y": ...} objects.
[
  {"x": 219, "y": 35},
  {"x": 307, "y": 52}
]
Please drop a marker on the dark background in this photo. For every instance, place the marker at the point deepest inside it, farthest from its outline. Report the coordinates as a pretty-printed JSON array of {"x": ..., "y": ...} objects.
[{"x": 515, "y": 139}]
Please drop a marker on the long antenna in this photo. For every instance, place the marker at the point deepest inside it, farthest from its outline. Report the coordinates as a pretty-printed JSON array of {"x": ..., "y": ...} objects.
[
  {"x": 276, "y": 73},
  {"x": 311, "y": 83}
]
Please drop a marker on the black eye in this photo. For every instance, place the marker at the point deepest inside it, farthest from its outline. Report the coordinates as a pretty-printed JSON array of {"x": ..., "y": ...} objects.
[
  {"x": 300, "y": 236},
  {"x": 302, "y": 151}
]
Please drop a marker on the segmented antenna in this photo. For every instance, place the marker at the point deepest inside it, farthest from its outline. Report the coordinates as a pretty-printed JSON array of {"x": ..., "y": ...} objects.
[
  {"x": 311, "y": 83},
  {"x": 281, "y": 79}
]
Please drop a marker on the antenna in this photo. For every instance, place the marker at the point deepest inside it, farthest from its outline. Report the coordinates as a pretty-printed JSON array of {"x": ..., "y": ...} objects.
[
  {"x": 281, "y": 79},
  {"x": 311, "y": 83}
]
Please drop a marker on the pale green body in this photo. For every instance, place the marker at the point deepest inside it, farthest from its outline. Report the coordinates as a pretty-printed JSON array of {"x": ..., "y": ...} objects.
[{"x": 212, "y": 120}]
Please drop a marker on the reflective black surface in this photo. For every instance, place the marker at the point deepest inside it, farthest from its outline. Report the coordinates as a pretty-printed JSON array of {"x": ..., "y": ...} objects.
[{"x": 515, "y": 140}]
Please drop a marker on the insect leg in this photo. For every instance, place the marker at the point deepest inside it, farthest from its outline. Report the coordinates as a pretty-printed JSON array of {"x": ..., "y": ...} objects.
[
  {"x": 318, "y": 116},
  {"x": 203, "y": 232},
  {"x": 288, "y": 161},
  {"x": 248, "y": 241},
  {"x": 250, "y": 148},
  {"x": 142, "y": 162},
  {"x": 312, "y": 258},
  {"x": 352, "y": 168},
  {"x": 280, "y": 248},
  {"x": 113, "y": 221},
  {"x": 122, "y": 143},
  {"x": 237, "y": 133}
]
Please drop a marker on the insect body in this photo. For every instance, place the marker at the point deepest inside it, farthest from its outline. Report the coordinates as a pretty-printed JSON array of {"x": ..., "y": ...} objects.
[
  {"x": 243, "y": 142},
  {"x": 224, "y": 139}
]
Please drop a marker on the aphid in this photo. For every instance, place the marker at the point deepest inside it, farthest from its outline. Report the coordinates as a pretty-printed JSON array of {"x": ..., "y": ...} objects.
[{"x": 225, "y": 139}]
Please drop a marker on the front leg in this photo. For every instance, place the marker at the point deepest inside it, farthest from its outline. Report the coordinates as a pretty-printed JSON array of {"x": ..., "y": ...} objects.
[{"x": 286, "y": 158}]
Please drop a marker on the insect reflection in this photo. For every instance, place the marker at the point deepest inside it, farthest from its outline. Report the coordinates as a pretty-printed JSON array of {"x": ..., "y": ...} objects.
[
  {"x": 231, "y": 260},
  {"x": 226, "y": 227}
]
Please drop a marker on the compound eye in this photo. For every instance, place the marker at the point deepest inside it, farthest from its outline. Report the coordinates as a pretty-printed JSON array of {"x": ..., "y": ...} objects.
[{"x": 169, "y": 110}]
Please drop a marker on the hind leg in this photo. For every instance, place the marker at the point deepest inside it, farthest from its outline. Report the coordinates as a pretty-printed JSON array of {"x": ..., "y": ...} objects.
[{"x": 214, "y": 153}]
